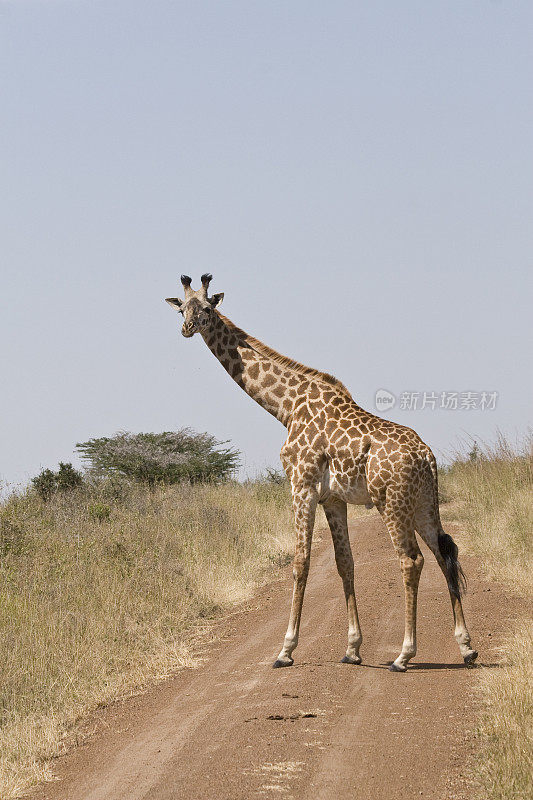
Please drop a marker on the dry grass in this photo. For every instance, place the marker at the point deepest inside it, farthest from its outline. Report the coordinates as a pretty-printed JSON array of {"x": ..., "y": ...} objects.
[
  {"x": 100, "y": 591},
  {"x": 492, "y": 496},
  {"x": 505, "y": 769}
]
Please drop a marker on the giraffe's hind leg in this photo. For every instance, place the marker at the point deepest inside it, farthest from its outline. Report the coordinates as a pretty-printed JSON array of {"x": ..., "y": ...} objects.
[
  {"x": 400, "y": 526},
  {"x": 335, "y": 511},
  {"x": 444, "y": 549}
]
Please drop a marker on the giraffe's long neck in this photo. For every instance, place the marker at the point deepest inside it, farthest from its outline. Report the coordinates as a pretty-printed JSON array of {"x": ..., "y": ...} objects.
[{"x": 272, "y": 385}]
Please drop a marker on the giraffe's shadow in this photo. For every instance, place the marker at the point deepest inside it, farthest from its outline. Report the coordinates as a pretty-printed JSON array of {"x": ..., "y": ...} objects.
[
  {"x": 422, "y": 666},
  {"x": 417, "y": 666}
]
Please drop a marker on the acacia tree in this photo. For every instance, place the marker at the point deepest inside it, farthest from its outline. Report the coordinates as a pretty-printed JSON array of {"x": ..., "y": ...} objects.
[{"x": 169, "y": 457}]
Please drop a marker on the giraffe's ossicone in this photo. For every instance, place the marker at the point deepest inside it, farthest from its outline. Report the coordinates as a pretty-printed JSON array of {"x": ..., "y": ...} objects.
[{"x": 337, "y": 453}]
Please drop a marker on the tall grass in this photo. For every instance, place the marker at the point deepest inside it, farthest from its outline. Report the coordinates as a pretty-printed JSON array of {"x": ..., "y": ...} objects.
[
  {"x": 99, "y": 589},
  {"x": 492, "y": 495}
]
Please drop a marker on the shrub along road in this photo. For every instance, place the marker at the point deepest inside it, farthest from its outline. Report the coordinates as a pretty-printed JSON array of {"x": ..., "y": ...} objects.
[{"x": 235, "y": 728}]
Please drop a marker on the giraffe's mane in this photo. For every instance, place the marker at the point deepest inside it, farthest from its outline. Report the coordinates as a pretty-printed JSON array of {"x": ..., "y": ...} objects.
[{"x": 284, "y": 361}]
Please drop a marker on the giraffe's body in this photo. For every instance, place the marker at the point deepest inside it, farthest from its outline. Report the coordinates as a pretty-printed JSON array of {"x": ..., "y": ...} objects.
[{"x": 337, "y": 453}]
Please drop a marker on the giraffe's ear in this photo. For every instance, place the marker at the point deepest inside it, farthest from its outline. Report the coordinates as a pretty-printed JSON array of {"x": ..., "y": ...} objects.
[
  {"x": 174, "y": 301},
  {"x": 216, "y": 299}
]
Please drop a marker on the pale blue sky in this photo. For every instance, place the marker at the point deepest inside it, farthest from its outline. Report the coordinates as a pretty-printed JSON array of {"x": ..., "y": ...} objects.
[{"x": 357, "y": 176}]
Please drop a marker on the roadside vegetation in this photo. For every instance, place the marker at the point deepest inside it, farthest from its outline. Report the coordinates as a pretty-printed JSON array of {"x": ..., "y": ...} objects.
[
  {"x": 490, "y": 493},
  {"x": 108, "y": 576},
  {"x": 104, "y": 584}
]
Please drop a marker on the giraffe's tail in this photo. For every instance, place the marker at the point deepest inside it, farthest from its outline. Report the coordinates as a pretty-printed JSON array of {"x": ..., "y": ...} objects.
[
  {"x": 454, "y": 573},
  {"x": 448, "y": 549}
]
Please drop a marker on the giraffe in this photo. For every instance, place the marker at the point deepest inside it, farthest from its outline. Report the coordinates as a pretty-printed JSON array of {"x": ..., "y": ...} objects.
[{"x": 337, "y": 453}]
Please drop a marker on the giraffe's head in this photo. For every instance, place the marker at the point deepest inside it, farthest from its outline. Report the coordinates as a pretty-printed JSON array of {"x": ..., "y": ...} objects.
[{"x": 197, "y": 308}]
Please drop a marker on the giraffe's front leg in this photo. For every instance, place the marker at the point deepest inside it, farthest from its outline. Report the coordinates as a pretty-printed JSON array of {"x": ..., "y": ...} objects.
[
  {"x": 304, "y": 504},
  {"x": 336, "y": 515}
]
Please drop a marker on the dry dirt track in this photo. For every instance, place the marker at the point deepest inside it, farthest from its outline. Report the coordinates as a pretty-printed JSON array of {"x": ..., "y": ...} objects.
[{"x": 235, "y": 728}]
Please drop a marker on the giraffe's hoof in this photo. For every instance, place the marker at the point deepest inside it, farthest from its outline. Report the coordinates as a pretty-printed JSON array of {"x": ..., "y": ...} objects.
[
  {"x": 396, "y": 668},
  {"x": 351, "y": 660},
  {"x": 470, "y": 658},
  {"x": 278, "y": 664}
]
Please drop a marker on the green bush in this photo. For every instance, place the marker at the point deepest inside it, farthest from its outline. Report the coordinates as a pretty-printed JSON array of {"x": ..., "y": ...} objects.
[
  {"x": 100, "y": 512},
  {"x": 155, "y": 458},
  {"x": 65, "y": 479}
]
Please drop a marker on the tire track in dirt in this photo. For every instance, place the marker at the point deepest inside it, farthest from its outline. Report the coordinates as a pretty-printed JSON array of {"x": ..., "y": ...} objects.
[{"x": 234, "y": 728}]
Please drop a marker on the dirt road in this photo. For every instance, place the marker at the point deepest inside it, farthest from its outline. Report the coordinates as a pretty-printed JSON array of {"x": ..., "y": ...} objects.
[{"x": 235, "y": 728}]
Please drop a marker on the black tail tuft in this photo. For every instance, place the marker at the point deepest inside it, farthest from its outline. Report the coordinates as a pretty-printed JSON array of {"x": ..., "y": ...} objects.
[{"x": 454, "y": 574}]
